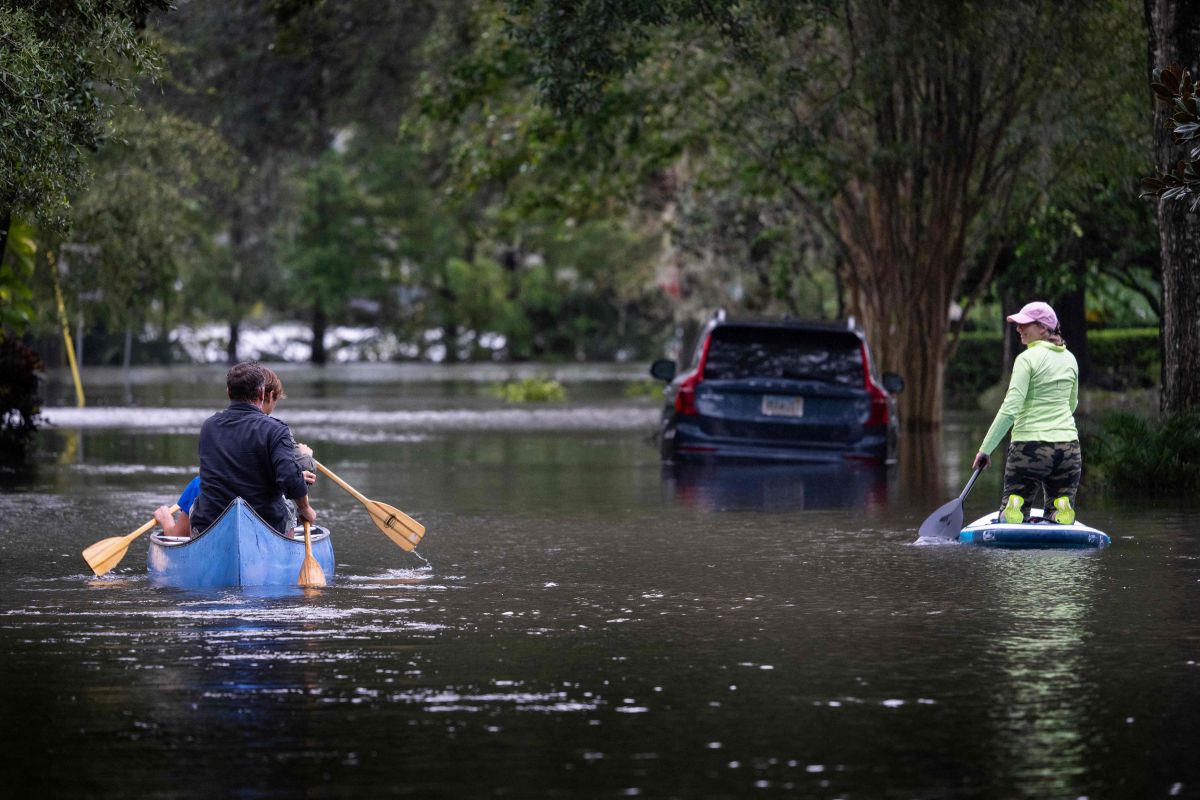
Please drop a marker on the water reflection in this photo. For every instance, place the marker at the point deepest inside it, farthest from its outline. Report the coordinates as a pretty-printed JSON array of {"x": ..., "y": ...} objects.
[
  {"x": 1043, "y": 610},
  {"x": 777, "y": 487},
  {"x": 920, "y": 457}
]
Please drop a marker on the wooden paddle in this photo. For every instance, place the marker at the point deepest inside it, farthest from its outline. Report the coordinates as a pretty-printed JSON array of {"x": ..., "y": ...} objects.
[
  {"x": 946, "y": 522},
  {"x": 311, "y": 573},
  {"x": 107, "y": 553},
  {"x": 402, "y": 529}
]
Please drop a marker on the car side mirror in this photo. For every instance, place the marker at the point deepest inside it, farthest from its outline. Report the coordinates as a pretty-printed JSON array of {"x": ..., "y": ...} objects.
[
  {"x": 893, "y": 383},
  {"x": 663, "y": 369}
]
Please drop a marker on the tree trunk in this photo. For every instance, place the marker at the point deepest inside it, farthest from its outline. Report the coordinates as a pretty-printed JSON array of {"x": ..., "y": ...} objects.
[
  {"x": 127, "y": 349},
  {"x": 320, "y": 323},
  {"x": 5, "y": 224},
  {"x": 909, "y": 338},
  {"x": 450, "y": 339},
  {"x": 900, "y": 280},
  {"x": 946, "y": 161},
  {"x": 1175, "y": 39},
  {"x": 1072, "y": 317},
  {"x": 231, "y": 350},
  {"x": 1010, "y": 338}
]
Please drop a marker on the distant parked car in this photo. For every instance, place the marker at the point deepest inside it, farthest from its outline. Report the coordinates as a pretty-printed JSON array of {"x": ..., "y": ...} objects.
[{"x": 779, "y": 390}]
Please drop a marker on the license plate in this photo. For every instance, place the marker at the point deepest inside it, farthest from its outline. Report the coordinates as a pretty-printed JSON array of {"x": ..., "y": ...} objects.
[{"x": 781, "y": 406}]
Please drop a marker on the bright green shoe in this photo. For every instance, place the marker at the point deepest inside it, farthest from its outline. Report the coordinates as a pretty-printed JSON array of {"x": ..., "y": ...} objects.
[
  {"x": 1063, "y": 513},
  {"x": 1012, "y": 511}
]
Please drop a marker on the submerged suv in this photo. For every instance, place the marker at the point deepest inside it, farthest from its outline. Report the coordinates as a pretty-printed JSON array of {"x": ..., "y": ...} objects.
[{"x": 782, "y": 390}]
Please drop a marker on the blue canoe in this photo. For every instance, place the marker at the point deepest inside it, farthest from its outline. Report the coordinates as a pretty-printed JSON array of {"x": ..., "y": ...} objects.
[
  {"x": 239, "y": 549},
  {"x": 989, "y": 531}
]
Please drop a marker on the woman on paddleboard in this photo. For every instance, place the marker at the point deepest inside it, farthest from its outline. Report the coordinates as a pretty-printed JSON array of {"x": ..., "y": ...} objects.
[{"x": 1039, "y": 407}]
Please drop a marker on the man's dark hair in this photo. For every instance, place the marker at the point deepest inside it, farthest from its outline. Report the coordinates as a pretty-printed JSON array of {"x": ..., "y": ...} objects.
[{"x": 245, "y": 380}]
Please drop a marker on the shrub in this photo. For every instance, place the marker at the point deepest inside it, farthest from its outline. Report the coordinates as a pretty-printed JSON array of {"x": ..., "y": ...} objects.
[
  {"x": 530, "y": 390},
  {"x": 974, "y": 367},
  {"x": 19, "y": 400},
  {"x": 1124, "y": 358},
  {"x": 1132, "y": 453}
]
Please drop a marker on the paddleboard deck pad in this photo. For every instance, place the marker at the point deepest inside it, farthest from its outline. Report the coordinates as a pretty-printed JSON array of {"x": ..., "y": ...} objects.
[{"x": 992, "y": 531}]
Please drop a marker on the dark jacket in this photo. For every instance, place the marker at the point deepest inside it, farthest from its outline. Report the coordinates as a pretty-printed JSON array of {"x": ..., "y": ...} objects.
[{"x": 246, "y": 453}]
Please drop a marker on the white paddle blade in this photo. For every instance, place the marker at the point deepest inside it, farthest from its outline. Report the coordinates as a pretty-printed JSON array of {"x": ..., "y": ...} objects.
[{"x": 945, "y": 523}]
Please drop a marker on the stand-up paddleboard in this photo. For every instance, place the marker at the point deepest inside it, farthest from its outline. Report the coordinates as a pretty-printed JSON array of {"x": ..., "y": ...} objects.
[{"x": 993, "y": 531}]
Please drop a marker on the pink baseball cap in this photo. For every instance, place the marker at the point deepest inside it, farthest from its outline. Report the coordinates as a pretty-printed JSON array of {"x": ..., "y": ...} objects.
[{"x": 1036, "y": 311}]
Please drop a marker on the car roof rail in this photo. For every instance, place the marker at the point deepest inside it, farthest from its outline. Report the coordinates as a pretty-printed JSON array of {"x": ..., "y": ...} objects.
[
  {"x": 851, "y": 323},
  {"x": 719, "y": 315}
]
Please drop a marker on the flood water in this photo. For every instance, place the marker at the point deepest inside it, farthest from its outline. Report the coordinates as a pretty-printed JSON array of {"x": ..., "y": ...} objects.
[{"x": 578, "y": 621}]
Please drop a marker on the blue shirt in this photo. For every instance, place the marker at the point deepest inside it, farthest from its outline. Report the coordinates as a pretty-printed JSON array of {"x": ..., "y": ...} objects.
[
  {"x": 190, "y": 493},
  {"x": 248, "y": 454}
]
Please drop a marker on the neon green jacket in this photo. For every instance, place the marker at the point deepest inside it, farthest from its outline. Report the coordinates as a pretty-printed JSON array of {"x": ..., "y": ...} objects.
[{"x": 1041, "y": 398}]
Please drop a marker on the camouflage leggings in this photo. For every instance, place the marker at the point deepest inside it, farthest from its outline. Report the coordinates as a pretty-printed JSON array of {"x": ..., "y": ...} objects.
[{"x": 1053, "y": 467}]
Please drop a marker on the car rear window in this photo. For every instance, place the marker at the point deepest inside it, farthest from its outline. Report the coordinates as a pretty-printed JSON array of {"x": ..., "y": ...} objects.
[{"x": 736, "y": 353}]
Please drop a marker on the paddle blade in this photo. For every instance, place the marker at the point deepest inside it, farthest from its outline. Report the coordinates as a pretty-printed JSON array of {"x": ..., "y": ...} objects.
[
  {"x": 311, "y": 573},
  {"x": 106, "y": 554},
  {"x": 945, "y": 523},
  {"x": 402, "y": 529}
]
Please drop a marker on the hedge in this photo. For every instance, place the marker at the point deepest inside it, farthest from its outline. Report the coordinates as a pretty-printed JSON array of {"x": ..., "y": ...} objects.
[{"x": 1121, "y": 359}]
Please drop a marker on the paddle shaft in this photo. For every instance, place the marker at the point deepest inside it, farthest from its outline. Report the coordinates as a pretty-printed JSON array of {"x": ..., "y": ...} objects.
[
  {"x": 129, "y": 538},
  {"x": 402, "y": 529},
  {"x": 967, "y": 489},
  {"x": 354, "y": 492}
]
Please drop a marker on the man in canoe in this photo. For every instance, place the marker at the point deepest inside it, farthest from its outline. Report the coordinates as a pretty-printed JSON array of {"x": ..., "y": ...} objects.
[
  {"x": 1039, "y": 407},
  {"x": 182, "y": 525},
  {"x": 247, "y": 453}
]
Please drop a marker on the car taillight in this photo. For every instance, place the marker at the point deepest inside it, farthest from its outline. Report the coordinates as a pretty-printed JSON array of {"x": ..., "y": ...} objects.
[
  {"x": 879, "y": 405},
  {"x": 879, "y": 399},
  {"x": 685, "y": 395}
]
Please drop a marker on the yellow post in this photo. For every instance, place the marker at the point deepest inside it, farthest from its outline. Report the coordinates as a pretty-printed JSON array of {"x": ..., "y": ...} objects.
[{"x": 62, "y": 316}]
